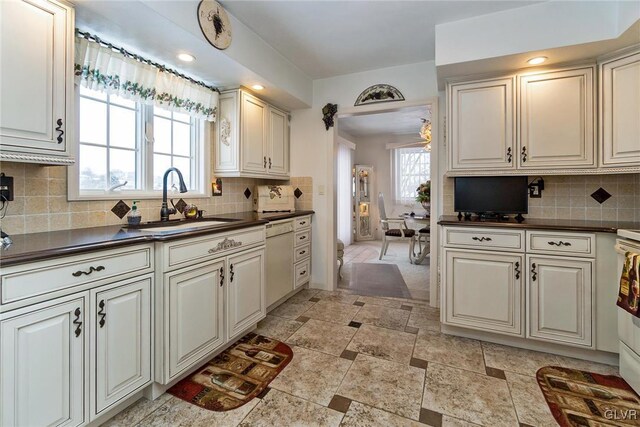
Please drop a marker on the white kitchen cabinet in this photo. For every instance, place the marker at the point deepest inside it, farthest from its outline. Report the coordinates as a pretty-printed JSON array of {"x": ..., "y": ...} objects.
[
  {"x": 620, "y": 110},
  {"x": 482, "y": 125},
  {"x": 122, "y": 325},
  {"x": 36, "y": 81},
  {"x": 42, "y": 367},
  {"x": 246, "y": 302},
  {"x": 559, "y": 300},
  {"x": 252, "y": 138},
  {"x": 195, "y": 315},
  {"x": 483, "y": 290},
  {"x": 556, "y": 119}
]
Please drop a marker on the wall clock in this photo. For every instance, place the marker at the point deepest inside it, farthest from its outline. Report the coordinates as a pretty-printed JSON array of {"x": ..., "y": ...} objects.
[{"x": 214, "y": 23}]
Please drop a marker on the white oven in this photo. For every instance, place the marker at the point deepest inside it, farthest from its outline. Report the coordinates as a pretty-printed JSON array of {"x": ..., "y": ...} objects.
[{"x": 628, "y": 325}]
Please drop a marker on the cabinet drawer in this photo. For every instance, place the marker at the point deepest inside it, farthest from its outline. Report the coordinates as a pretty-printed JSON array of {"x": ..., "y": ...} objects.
[
  {"x": 29, "y": 280},
  {"x": 302, "y": 238},
  {"x": 301, "y": 252},
  {"x": 302, "y": 223},
  {"x": 548, "y": 242},
  {"x": 475, "y": 238},
  {"x": 302, "y": 272},
  {"x": 200, "y": 249}
]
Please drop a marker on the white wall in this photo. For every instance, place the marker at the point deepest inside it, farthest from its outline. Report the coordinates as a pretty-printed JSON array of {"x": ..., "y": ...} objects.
[{"x": 312, "y": 146}]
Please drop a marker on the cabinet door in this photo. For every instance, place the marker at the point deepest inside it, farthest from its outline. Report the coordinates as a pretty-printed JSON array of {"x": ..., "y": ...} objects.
[
  {"x": 122, "y": 342},
  {"x": 227, "y": 146},
  {"x": 559, "y": 294},
  {"x": 482, "y": 126},
  {"x": 483, "y": 290},
  {"x": 33, "y": 74},
  {"x": 253, "y": 136},
  {"x": 246, "y": 292},
  {"x": 196, "y": 326},
  {"x": 620, "y": 111},
  {"x": 42, "y": 367},
  {"x": 556, "y": 119},
  {"x": 278, "y": 158}
]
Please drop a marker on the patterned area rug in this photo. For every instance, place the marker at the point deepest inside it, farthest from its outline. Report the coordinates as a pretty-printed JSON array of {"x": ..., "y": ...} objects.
[
  {"x": 584, "y": 399},
  {"x": 236, "y": 375}
]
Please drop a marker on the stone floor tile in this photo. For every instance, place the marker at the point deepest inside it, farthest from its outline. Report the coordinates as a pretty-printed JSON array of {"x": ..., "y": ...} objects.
[
  {"x": 469, "y": 396},
  {"x": 326, "y": 337},
  {"x": 291, "y": 310},
  {"x": 463, "y": 353},
  {"x": 427, "y": 318},
  {"x": 337, "y": 296},
  {"x": 384, "y": 343},
  {"x": 448, "y": 421},
  {"x": 528, "y": 400},
  {"x": 137, "y": 411},
  {"x": 360, "y": 415},
  {"x": 335, "y": 312},
  {"x": 312, "y": 375},
  {"x": 281, "y": 409},
  {"x": 390, "y": 386},
  {"x": 519, "y": 360},
  {"x": 380, "y": 301},
  {"x": 303, "y": 295},
  {"x": 586, "y": 365},
  {"x": 384, "y": 317},
  {"x": 278, "y": 328}
]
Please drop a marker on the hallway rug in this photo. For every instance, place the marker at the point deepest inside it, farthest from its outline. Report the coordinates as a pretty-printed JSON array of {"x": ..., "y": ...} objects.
[
  {"x": 584, "y": 399},
  {"x": 236, "y": 375},
  {"x": 383, "y": 280}
]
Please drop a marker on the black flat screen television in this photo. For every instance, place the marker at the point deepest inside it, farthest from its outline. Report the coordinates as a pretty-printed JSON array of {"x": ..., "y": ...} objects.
[{"x": 492, "y": 195}]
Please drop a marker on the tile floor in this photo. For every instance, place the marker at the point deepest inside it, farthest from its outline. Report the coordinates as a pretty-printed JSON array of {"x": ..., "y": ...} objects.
[{"x": 377, "y": 362}]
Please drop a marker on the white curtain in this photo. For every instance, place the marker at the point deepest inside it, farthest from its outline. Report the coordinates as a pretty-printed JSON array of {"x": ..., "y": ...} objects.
[
  {"x": 344, "y": 211},
  {"x": 101, "y": 68}
]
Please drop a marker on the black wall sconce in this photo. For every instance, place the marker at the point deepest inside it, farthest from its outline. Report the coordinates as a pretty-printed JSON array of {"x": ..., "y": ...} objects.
[{"x": 535, "y": 188}]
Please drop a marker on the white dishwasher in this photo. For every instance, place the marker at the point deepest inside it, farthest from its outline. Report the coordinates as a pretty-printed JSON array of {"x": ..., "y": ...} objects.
[{"x": 279, "y": 260}]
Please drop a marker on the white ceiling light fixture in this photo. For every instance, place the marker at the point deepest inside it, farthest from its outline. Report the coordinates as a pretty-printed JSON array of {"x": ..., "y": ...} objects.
[
  {"x": 257, "y": 87},
  {"x": 186, "y": 57},
  {"x": 537, "y": 60},
  {"x": 425, "y": 133}
]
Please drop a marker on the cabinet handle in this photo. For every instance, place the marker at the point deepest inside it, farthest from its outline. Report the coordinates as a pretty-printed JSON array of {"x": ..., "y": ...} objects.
[
  {"x": 509, "y": 155},
  {"x": 59, "y": 129},
  {"x": 221, "y": 276},
  {"x": 91, "y": 270},
  {"x": 232, "y": 273},
  {"x": 303, "y": 222},
  {"x": 481, "y": 239},
  {"x": 302, "y": 252},
  {"x": 303, "y": 272},
  {"x": 302, "y": 237},
  {"x": 517, "y": 270},
  {"x": 101, "y": 313},
  {"x": 77, "y": 322},
  {"x": 533, "y": 271},
  {"x": 269, "y": 162},
  {"x": 560, "y": 243},
  {"x": 265, "y": 161},
  {"x": 524, "y": 154}
]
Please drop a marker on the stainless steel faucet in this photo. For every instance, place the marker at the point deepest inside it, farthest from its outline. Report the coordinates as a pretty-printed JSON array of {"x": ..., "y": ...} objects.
[{"x": 165, "y": 211}]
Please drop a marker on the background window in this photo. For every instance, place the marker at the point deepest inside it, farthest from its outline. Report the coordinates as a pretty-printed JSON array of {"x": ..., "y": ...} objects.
[
  {"x": 412, "y": 166},
  {"x": 173, "y": 146}
]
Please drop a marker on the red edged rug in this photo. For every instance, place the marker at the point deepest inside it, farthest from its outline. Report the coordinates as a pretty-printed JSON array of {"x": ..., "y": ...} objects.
[
  {"x": 236, "y": 375},
  {"x": 584, "y": 399}
]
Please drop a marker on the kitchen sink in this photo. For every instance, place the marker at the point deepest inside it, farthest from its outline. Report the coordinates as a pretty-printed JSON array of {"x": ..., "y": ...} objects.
[{"x": 178, "y": 225}]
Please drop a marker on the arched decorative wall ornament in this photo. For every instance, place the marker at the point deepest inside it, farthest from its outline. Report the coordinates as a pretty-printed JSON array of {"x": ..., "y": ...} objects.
[{"x": 378, "y": 93}]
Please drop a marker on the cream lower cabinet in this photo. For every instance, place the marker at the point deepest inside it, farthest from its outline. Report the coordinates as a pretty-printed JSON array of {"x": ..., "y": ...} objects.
[
  {"x": 483, "y": 290},
  {"x": 42, "y": 366},
  {"x": 559, "y": 299},
  {"x": 246, "y": 301}
]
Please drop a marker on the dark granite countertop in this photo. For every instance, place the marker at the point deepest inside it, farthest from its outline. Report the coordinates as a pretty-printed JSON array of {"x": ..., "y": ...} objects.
[
  {"x": 542, "y": 224},
  {"x": 53, "y": 244}
]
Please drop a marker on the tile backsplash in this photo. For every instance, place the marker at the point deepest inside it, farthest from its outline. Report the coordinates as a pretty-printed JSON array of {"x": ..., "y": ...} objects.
[
  {"x": 569, "y": 197},
  {"x": 40, "y": 201}
]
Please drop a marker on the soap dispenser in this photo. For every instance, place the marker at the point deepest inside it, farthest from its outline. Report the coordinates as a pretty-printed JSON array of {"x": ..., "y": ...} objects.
[{"x": 134, "y": 216}]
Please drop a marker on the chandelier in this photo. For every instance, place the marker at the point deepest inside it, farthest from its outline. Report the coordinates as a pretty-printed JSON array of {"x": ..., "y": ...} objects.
[{"x": 425, "y": 133}]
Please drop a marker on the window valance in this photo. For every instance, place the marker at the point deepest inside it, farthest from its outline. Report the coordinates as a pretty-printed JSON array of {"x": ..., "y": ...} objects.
[{"x": 102, "y": 68}]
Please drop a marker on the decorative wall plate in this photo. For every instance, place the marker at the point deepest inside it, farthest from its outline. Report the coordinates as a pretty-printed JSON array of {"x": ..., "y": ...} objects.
[
  {"x": 378, "y": 93},
  {"x": 214, "y": 23}
]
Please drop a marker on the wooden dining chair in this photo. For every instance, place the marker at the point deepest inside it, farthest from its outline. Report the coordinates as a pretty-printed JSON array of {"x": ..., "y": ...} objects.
[{"x": 394, "y": 229}]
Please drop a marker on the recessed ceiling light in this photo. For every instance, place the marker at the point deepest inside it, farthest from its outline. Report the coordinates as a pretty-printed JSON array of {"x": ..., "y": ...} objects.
[
  {"x": 537, "y": 60},
  {"x": 257, "y": 87},
  {"x": 186, "y": 57}
]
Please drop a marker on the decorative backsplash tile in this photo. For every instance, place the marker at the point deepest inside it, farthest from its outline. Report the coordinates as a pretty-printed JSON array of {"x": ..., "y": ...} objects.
[
  {"x": 181, "y": 205},
  {"x": 297, "y": 193},
  {"x": 120, "y": 209},
  {"x": 247, "y": 193},
  {"x": 600, "y": 195}
]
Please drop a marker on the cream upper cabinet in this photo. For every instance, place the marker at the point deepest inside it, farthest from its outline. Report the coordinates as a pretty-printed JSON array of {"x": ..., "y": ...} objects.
[
  {"x": 559, "y": 300},
  {"x": 620, "y": 111},
  {"x": 252, "y": 138},
  {"x": 555, "y": 119},
  {"x": 36, "y": 81},
  {"x": 482, "y": 125}
]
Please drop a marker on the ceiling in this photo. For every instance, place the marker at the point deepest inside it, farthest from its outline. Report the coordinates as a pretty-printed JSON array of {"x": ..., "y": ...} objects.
[
  {"x": 404, "y": 121},
  {"x": 329, "y": 38}
]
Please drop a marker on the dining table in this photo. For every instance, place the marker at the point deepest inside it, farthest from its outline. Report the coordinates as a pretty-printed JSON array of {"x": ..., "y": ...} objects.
[{"x": 419, "y": 222}]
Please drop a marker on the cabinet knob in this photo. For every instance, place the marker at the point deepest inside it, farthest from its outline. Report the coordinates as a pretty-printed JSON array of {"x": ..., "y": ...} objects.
[
  {"x": 269, "y": 162},
  {"x": 59, "y": 129},
  {"x": 221, "y": 276},
  {"x": 509, "y": 155},
  {"x": 517, "y": 270},
  {"x": 534, "y": 275},
  {"x": 524, "y": 154},
  {"x": 232, "y": 273},
  {"x": 77, "y": 322},
  {"x": 303, "y": 272},
  {"x": 102, "y": 313},
  {"x": 265, "y": 162}
]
